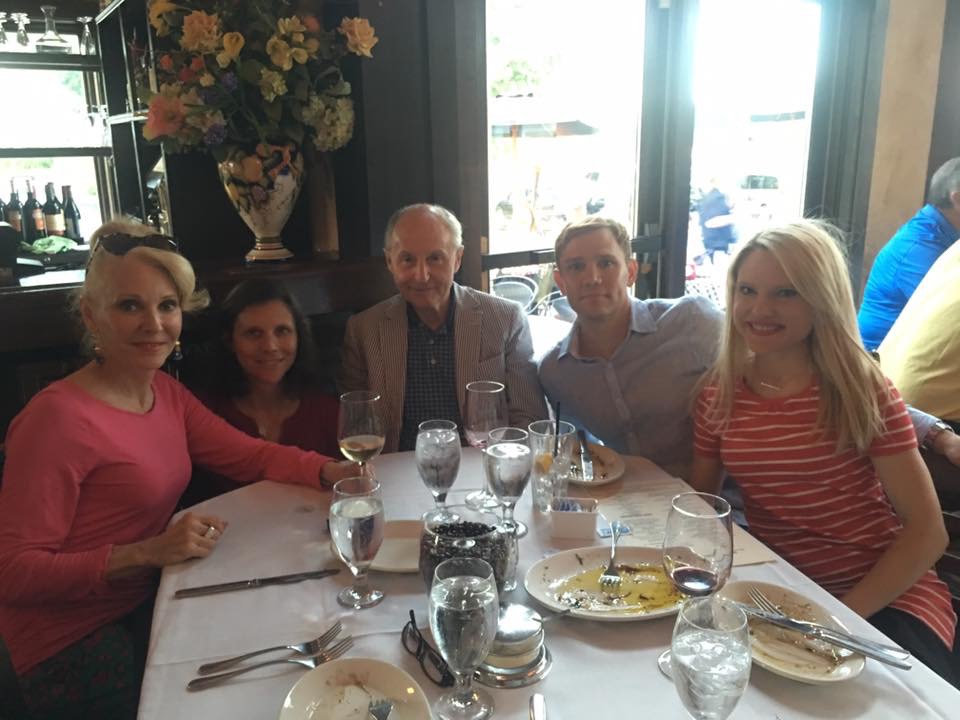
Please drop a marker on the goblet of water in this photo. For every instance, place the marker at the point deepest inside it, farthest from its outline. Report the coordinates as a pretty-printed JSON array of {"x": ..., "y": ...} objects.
[
  {"x": 463, "y": 618},
  {"x": 438, "y": 462},
  {"x": 356, "y": 526}
]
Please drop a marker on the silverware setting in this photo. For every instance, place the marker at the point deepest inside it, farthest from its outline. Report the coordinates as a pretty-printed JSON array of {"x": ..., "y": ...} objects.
[
  {"x": 311, "y": 647},
  {"x": 380, "y": 709},
  {"x": 254, "y": 583},
  {"x": 202, "y": 683},
  {"x": 586, "y": 458},
  {"x": 770, "y": 612},
  {"x": 538, "y": 707}
]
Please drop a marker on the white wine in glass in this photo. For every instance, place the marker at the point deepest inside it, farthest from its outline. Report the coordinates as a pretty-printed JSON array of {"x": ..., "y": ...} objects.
[
  {"x": 486, "y": 410},
  {"x": 359, "y": 427}
]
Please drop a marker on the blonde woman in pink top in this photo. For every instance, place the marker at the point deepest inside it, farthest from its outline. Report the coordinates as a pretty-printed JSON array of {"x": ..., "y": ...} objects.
[{"x": 95, "y": 465}]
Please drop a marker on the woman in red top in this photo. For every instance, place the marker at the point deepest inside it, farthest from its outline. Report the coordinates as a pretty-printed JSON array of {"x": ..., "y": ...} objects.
[
  {"x": 820, "y": 443},
  {"x": 95, "y": 465}
]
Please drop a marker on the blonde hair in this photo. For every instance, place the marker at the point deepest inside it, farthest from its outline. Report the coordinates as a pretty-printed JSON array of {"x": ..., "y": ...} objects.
[
  {"x": 588, "y": 224},
  {"x": 852, "y": 386},
  {"x": 173, "y": 264}
]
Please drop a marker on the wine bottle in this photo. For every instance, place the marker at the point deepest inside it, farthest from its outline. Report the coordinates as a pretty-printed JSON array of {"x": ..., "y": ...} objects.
[
  {"x": 15, "y": 209},
  {"x": 71, "y": 215},
  {"x": 34, "y": 227},
  {"x": 53, "y": 212}
]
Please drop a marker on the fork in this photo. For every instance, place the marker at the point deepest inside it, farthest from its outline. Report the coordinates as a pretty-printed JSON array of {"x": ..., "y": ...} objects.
[
  {"x": 380, "y": 709},
  {"x": 767, "y": 605},
  {"x": 610, "y": 579},
  {"x": 311, "y": 647},
  {"x": 201, "y": 683}
]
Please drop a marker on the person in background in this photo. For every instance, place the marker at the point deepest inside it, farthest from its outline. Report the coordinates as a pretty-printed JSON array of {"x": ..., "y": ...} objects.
[
  {"x": 267, "y": 384},
  {"x": 95, "y": 465},
  {"x": 641, "y": 359},
  {"x": 717, "y": 227},
  {"x": 921, "y": 353},
  {"x": 820, "y": 443},
  {"x": 902, "y": 263},
  {"x": 420, "y": 348}
]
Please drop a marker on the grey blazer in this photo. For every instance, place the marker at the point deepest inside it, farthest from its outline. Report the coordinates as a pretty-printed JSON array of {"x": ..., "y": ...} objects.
[{"x": 492, "y": 342}]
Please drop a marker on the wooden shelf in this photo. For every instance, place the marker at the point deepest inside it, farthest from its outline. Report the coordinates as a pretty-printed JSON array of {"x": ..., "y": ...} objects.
[{"x": 48, "y": 61}]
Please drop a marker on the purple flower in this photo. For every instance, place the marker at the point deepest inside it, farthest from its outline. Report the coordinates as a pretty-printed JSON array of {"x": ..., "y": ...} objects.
[
  {"x": 229, "y": 81},
  {"x": 209, "y": 95},
  {"x": 259, "y": 194},
  {"x": 215, "y": 135}
]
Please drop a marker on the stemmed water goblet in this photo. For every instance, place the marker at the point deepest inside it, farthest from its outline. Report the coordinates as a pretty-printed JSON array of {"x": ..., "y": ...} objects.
[
  {"x": 359, "y": 427},
  {"x": 463, "y": 618},
  {"x": 711, "y": 657},
  {"x": 438, "y": 462},
  {"x": 22, "y": 21},
  {"x": 485, "y": 409},
  {"x": 697, "y": 548},
  {"x": 87, "y": 44},
  {"x": 356, "y": 526},
  {"x": 507, "y": 462}
]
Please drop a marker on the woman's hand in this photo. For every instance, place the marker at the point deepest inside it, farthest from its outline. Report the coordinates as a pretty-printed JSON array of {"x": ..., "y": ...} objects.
[
  {"x": 336, "y": 470},
  {"x": 192, "y": 536}
]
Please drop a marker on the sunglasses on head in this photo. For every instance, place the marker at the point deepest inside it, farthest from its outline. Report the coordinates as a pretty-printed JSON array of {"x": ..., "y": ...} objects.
[
  {"x": 122, "y": 243},
  {"x": 431, "y": 662}
]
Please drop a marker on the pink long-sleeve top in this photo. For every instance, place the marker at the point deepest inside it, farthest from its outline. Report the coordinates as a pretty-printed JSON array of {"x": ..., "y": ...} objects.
[{"x": 82, "y": 476}]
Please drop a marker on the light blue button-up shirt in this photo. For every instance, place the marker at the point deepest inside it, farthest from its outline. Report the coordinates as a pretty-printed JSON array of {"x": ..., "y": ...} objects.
[{"x": 638, "y": 402}]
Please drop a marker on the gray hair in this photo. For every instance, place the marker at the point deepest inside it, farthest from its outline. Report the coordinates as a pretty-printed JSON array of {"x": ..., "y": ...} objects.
[
  {"x": 944, "y": 181},
  {"x": 439, "y": 212}
]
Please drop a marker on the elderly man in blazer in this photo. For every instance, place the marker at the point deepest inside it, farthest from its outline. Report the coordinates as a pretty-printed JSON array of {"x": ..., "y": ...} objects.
[{"x": 420, "y": 348}]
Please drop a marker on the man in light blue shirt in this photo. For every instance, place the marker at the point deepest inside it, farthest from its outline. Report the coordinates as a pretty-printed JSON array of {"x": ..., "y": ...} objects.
[{"x": 627, "y": 373}]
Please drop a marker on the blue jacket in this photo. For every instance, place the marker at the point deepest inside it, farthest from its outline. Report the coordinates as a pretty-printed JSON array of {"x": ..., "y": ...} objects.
[{"x": 899, "y": 268}]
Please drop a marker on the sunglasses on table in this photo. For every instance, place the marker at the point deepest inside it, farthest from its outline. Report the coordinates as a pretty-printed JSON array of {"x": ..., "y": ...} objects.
[
  {"x": 431, "y": 662},
  {"x": 122, "y": 243}
]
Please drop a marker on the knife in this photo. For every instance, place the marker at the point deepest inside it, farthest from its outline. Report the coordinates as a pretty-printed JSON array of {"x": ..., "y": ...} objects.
[
  {"x": 586, "y": 459},
  {"x": 882, "y": 653},
  {"x": 538, "y": 707},
  {"x": 255, "y": 583}
]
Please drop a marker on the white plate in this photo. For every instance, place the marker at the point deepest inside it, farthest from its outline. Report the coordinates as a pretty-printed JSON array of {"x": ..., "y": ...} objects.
[
  {"x": 543, "y": 579},
  {"x": 783, "y": 657},
  {"x": 608, "y": 466},
  {"x": 400, "y": 551},
  {"x": 342, "y": 690}
]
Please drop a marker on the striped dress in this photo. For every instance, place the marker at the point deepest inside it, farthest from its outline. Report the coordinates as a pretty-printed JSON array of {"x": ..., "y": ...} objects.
[{"x": 826, "y": 513}]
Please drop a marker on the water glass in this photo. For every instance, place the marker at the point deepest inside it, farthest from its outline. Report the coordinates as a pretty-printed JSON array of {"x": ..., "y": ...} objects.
[
  {"x": 507, "y": 462},
  {"x": 463, "y": 613},
  {"x": 438, "y": 462},
  {"x": 356, "y": 526},
  {"x": 711, "y": 657},
  {"x": 551, "y": 472}
]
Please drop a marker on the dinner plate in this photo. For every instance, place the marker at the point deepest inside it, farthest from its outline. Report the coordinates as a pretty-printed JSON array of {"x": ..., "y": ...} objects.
[
  {"x": 608, "y": 466},
  {"x": 547, "y": 576},
  {"x": 400, "y": 551},
  {"x": 772, "y": 647},
  {"x": 342, "y": 690}
]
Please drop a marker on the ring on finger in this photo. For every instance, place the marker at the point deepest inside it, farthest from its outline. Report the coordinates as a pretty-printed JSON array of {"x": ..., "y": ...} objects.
[{"x": 210, "y": 531}]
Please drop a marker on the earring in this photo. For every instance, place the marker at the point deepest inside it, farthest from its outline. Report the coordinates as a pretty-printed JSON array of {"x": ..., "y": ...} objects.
[
  {"x": 177, "y": 352},
  {"x": 97, "y": 352}
]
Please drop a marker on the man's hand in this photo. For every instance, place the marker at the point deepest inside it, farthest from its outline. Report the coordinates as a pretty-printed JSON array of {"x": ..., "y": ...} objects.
[{"x": 947, "y": 443}]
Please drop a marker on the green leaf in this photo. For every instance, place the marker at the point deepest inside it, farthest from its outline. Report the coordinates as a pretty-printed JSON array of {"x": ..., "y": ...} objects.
[
  {"x": 250, "y": 71},
  {"x": 274, "y": 110}
]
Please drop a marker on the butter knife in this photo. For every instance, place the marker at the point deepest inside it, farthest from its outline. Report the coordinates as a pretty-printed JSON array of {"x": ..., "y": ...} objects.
[
  {"x": 586, "y": 459},
  {"x": 255, "y": 583},
  {"x": 882, "y": 653}
]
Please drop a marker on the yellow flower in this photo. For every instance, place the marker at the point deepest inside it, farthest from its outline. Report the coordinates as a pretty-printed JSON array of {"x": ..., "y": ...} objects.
[
  {"x": 201, "y": 32},
  {"x": 297, "y": 37},
  {"x": 300, "y": 55},
  {"x": 158, "y": 9},
  {"x": 279, "y": 53},
  {"x": 272, "y": 85},
  {"x": 311, "y": 46},
  {"x": 360, "y": 35},
  {"x": 207, "y": 80},
  {"x": 287, "y": 26},
  {"x": 233, "y": 43}
]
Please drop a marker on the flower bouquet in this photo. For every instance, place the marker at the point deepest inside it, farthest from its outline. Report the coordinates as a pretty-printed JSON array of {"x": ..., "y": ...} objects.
[{"x": 251, "y": 83}]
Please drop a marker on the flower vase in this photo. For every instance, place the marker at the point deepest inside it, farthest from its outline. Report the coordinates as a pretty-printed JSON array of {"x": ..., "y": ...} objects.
[{"x": 263, "y": 186}]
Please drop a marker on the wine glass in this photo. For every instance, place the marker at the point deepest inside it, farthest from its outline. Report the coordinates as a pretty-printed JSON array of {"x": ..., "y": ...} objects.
[
  {"x": 3, "y": 30},
  {"x": 22, "y": 21},
  {"x": 359, "y": 428},
  {"x": 711, "y": 657},
  {"x": 438, "y": 462},
  {"x": 485, "y": 409},
  {"x": 463, "y": 618},
  {"x": 51, "y": 41},
  {"x": 356, "y": 526},
  {"x": 697, "y": 548},
  {"x": 87, "y": 44},
  {"x": 507, "y": 462}
]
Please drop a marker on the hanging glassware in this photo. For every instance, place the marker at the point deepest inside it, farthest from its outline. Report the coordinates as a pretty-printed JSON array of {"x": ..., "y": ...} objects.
[
  {"x": 22, "y": 21},
  {"x": 3, "y": 30},
  {"x": 51, "y": 41},
  {"x": 87, "y": 44}
]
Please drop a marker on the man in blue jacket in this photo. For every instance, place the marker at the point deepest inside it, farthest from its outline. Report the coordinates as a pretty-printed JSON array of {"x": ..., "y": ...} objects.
[{"x": 902, "y": 263}]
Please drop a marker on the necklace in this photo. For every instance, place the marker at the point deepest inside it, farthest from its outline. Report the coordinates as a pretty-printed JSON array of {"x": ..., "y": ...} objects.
[{"x": 770, "y": 386}]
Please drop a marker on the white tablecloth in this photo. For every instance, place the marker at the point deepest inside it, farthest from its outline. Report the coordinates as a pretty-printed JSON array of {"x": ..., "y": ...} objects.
[{"x": 276, "y": 529}]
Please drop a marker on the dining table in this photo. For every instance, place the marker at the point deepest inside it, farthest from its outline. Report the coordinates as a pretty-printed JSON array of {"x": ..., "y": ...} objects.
[{"x": 606, "y": 669}]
